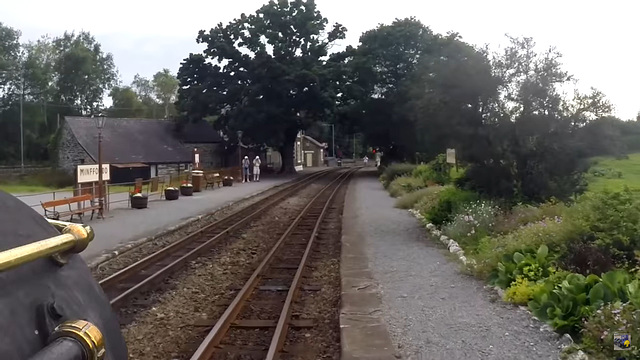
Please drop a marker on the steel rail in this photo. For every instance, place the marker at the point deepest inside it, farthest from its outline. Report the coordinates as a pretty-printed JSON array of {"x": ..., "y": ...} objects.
[
  {"x": 220, "y": 227},
  {"x": 280, "y": 334},
  {"x": 208, "y": 346}
]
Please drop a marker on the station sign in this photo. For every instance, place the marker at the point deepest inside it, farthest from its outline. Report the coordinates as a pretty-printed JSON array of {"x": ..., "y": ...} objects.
[
  {"x": 89, "y": 173},
  {"x": 451, "y": 156}
]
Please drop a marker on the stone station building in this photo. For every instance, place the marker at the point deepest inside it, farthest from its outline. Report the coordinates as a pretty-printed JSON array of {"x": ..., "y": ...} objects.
[{"x": 137, "y": 148}]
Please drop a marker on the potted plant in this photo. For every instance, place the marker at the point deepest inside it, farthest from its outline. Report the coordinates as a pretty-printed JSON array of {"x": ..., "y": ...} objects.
[
  {"x": 186, "y": 189},
  {"x": 227, "y": 181},
  {"x": 171, "y": 193},
  {"x": 138, "y": 200}
]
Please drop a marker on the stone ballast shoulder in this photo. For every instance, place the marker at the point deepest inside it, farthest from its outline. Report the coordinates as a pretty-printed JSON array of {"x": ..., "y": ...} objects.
[{"x": 455, "y": 248}]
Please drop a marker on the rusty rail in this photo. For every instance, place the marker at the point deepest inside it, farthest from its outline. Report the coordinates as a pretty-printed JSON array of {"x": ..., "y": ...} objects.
[
  {"x": 213, "y": 340},
  {"x": 157, "y": 266}
]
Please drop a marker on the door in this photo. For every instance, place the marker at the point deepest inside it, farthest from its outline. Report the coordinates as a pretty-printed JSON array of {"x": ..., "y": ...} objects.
[{"x": 309, "y": 159}]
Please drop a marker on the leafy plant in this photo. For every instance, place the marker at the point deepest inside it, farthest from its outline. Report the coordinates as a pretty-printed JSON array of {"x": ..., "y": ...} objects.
[
  {"x": 521, "y": 290},
  {"x": 530, "y": 265},
  {"x": 564, "y": 306}
]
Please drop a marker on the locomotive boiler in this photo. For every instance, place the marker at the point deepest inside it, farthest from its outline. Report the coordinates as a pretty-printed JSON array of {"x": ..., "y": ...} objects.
[{"x": 51, "y": 308}]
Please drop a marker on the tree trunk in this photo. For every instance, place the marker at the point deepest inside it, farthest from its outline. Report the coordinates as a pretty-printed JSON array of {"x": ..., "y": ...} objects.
[{"x": 286, "y": 152}]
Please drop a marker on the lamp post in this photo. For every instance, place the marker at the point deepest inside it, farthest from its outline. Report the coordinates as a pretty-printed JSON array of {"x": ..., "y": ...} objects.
[
  {"x": 333, "y": 138},
  {"x": 100, "y": 124},
  {"x": 239, "y": 133}
]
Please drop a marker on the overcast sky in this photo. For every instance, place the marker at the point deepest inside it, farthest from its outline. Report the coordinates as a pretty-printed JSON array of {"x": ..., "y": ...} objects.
[{"x": 599, "y": 39}]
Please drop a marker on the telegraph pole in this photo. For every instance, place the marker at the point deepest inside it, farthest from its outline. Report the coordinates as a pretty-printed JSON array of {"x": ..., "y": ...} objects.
[{"x": 21, "y": 126}]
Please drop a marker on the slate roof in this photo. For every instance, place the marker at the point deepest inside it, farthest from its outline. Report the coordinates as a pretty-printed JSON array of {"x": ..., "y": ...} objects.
[{"x": 124, "y": 141}]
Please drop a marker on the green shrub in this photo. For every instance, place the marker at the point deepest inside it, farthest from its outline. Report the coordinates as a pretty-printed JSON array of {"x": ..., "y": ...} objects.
[
  {"x": 429, "y": 201},
  {"x": 404, "y": 185},
  {"x": 410, "y": 200},
  {"x": 472, "y": 222},
  {"x": 519, "y": 215},
  {"x": 424, "y": 172},
  {"x": 529, "y": 264},
  {"x": 521, "y": 291},
  {"x": 551, "y": 232},
  {"x": 449, "y": 202},
  {"x": 598, "y": 331},
  {"x": 437, "y": 171},
  {"x": 394, "y": 171},
  {"x": 564, "y": 306},
  {"x": 606, "y": 173},
  {"x": 613, "y": 219}
]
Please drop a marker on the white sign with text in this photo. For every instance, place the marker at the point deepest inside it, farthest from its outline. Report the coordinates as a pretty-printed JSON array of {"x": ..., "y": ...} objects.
[
  {"x": 89, "y": 173},
  {"x": 451, "y": 156}
]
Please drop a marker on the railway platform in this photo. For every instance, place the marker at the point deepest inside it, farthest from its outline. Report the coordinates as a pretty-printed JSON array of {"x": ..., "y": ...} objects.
[{"x": 123, "y": 227}]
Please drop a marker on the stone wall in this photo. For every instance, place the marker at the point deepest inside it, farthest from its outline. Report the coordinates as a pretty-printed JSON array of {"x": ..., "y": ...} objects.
[
  {"x": 167, "y": 170},
  {"x": 70, "y": 153},
  {"x": 210, "y": 154}
]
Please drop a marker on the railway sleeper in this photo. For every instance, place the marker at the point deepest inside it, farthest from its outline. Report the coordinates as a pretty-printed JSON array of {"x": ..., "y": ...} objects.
[{"x": 280, "y": 288}]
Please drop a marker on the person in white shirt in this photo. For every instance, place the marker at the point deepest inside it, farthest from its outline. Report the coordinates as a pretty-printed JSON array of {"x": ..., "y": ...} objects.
[
  {"x": 245, "y": 169},
  {"x": 256, "y": 168},
  {"x": 366, "y": 160}
]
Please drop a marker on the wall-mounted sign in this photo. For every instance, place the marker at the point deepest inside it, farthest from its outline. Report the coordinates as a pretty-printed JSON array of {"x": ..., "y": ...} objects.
[
  {"x": 196, "y": 159},
  {"x": 451, "y": 156},
  {"x": 89, "y": 173}
]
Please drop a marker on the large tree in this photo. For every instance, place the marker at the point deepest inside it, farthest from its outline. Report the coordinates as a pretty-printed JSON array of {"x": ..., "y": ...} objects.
[
  {"x": 374, "y": 81},
  {"x": 10, "y": 62},
  {"x": 84, "y": 72},
  {"x": 266, "y": 74},
  {"x": 165, "y": 87},
  {"x": 126, "y": 103}
]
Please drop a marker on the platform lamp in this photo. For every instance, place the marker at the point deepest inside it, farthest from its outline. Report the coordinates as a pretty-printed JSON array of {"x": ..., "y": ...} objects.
[
  {"x": 239, "y": 133},
  {"x": 99, "y": 121}
]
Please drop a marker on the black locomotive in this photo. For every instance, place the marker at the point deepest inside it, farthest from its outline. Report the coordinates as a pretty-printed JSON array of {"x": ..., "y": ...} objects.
[{"x": 50, "y": 305}]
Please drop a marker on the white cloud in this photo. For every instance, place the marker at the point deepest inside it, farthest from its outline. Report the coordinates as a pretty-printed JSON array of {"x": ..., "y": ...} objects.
[{"x": 598, "y": 39}]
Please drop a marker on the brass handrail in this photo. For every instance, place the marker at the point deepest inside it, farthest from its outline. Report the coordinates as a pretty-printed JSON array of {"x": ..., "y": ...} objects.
[{"x": 74, "y": 238}]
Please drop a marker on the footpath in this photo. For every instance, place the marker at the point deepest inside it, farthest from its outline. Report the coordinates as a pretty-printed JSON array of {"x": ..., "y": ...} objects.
[{"x": 403, "y": 297}]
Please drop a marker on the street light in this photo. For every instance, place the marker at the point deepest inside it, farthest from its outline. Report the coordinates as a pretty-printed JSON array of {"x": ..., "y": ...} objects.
[
  {"x": 239, "y": 133},
  {"x": 99, "y": 120},
  {"x": 21, "y": 127},
  {"x": 333, "y": 138}
]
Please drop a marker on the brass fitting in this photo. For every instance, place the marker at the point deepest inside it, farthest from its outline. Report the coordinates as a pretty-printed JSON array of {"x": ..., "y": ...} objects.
[
  {"x": 83, "y": 233},
  {"x": 87, "y": 334}
]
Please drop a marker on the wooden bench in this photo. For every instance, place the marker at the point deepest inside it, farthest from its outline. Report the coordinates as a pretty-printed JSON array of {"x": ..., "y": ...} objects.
[
  {"x": 51, "y": 213},
  {"x": 212, "y": 179}
]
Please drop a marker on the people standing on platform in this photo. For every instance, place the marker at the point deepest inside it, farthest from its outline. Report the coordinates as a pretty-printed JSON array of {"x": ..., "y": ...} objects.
[
  {"x": 366, "y": 160},
  {"x": 246, "y": 163},
  {"x": 256, "y": 168}
]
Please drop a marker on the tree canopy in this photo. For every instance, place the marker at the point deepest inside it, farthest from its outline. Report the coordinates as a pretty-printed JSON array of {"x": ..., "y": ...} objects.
[{"x": 266, "y": 74}]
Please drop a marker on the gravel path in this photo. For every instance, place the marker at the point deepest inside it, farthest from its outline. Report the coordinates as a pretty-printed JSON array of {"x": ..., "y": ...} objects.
[{"x": 433, "y": 310}]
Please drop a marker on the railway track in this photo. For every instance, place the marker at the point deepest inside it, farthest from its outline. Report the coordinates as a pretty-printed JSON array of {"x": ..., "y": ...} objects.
[
  {"x": 154, "y": 268},
  {"x": 260, "y": 329}
]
